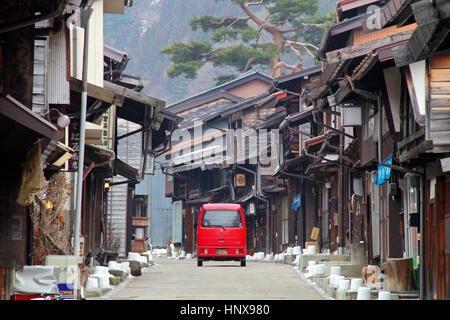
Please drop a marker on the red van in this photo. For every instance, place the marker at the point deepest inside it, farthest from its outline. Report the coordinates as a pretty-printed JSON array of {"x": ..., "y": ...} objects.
[{"x": 221, "y": 233}]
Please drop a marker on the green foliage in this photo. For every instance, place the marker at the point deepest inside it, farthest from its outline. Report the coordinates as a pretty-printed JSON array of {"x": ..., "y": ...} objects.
[
  {"x": 189, "y": 69},
  {"x": 180, "y": 52},
  {"x": 292, "y": 10},
  {"x": 224, "y": 34},
  {"x": 238, "y": 55},
  {"x": 238, "y": 40},
  {"x": 208, "y": 23},
  {"x": 249, "y": 34}
]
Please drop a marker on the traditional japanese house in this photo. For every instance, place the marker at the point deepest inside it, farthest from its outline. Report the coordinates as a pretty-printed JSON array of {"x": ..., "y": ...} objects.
[
  {"x": 295, "y": 223},
  {"x": 35, "y": 100},
  {"x": 423, "y": 144},
  {"x": 395, "y": 84},
  {"x": 202, "y": 121},
  {"x": 356, "y": 98},
  {"x": 29, "y": 142}
]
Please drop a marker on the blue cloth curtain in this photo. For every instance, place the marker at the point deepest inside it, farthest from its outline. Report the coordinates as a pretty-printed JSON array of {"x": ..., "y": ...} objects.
[{"x": 383, "y": 173}]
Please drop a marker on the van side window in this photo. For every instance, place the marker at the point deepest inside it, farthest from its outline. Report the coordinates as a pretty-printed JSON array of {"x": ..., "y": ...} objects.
[{"x": 222, "y": 218}]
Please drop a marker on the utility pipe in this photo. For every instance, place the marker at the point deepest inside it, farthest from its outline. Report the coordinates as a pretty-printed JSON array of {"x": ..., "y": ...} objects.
[
  {"x": 341, "y": 187},
  {"x": 76, "y": 241}
]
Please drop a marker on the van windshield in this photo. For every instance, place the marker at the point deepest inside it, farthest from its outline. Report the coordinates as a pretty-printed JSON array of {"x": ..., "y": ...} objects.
[{"x": 221, "y": 218}]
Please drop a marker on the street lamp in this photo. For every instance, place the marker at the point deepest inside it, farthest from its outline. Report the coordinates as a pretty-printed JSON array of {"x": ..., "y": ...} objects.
[{"x": 63, "y": 120}]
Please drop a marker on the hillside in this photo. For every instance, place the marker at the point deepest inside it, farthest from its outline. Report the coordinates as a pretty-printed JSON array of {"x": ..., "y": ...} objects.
[{"x": 149, "y": 25}]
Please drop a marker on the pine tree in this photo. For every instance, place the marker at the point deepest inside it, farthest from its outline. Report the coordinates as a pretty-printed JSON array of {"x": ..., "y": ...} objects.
[{"x": 284, "y": 21}]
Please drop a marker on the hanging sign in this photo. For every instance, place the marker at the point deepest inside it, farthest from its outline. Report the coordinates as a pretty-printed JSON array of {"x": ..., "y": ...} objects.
[{"x": 240, "y": 180}]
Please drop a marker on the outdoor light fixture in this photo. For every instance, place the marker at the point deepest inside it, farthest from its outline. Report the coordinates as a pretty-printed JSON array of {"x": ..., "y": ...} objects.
[
  {"x": 63, "y": 120},
  {"x": 107, "y": 185},
  {"x": 49, "y": 205}
]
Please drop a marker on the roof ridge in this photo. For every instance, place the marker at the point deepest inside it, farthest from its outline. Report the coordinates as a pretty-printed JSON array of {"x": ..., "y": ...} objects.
[{"x": 253, "y": 71}]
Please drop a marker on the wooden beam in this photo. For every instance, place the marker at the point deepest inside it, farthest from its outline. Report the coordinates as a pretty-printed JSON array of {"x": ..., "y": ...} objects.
[
  {"x": 134, "y": 95},
  {"x": 415, "y": 152},
  {"x": 442, "y": 75},
  {"x": 416, "y": 135},
  {"x": 440, "y": 87},
  {"x": 97, "y": 92},
  {"x": 441, "y": 62},
  {"x": 440, "y": 101},
  {"x": 437, "y": 40},
  {"x": 441, "y": 125},
  {"x": 440, "y": 137}
]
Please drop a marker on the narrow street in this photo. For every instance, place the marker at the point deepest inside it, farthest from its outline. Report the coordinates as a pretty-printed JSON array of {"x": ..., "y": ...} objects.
[
  {"x": 310, "y": 137},
  {"x": 171, "y": 279}
]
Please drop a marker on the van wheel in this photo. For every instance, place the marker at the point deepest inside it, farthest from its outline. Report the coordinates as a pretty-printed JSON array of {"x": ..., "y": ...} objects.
[
  {"x": 243, "y": 263},
  {"x": 199, "y": 263}
]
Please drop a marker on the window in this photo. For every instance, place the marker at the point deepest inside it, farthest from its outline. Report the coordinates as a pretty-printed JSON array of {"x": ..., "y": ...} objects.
[
  {"x": 222, "y": 218},
  {"x": 408, "y": 121}
]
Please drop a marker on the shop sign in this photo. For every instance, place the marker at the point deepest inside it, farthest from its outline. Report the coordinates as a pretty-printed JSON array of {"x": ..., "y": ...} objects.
[{"x": 240, "y": 180}]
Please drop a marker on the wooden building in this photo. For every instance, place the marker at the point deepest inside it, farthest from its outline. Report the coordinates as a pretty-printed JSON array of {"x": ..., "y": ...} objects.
[
  {"x": 393, "y": 74},
  {"x": 208, "y": 116},
  {"x": 37, "y": 89}
]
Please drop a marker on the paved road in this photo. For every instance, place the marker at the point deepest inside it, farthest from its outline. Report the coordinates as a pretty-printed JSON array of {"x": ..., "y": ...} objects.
[{"x": 172, "y": 279}]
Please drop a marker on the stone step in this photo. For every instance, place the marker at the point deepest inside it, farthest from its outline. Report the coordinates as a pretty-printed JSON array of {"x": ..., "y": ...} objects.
[
  {"x": 319, "y": 258},
  {"x": 348, "y": 269}
]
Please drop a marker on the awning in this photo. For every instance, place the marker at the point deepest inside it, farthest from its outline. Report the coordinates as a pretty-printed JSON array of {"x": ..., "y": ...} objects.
[
  {"x": 125, "y": 170},
  {"x": 208, "y": 196},
  {"x": 103, "y": 163},
  {"x": 135, "y": 104},
  {"x": 99, "y": 160},
  {"x": 274, "y": 189},
  {"x": 249, "y": 196},
  {"x": 245, "y": 198},
  {"x": 201, "y": 200},
  {"x": 20, "y": 128},
  {"x": 13, "y": 109},
  {"x": 299, "y": 118},
  {"x": 322, "y": 169}
]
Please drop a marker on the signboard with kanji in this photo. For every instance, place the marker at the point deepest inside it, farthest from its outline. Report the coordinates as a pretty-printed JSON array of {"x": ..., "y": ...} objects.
[{"x": 74, "y": 143}]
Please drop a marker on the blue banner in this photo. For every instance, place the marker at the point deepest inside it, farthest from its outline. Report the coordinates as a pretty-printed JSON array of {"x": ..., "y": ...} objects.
[
  {"x": 383, "y": 173},
  {"x": 296, "y": 202}
]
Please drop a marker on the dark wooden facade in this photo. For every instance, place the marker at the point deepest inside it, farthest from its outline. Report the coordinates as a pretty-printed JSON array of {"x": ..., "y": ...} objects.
[{"x": 402, "y": 91}]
